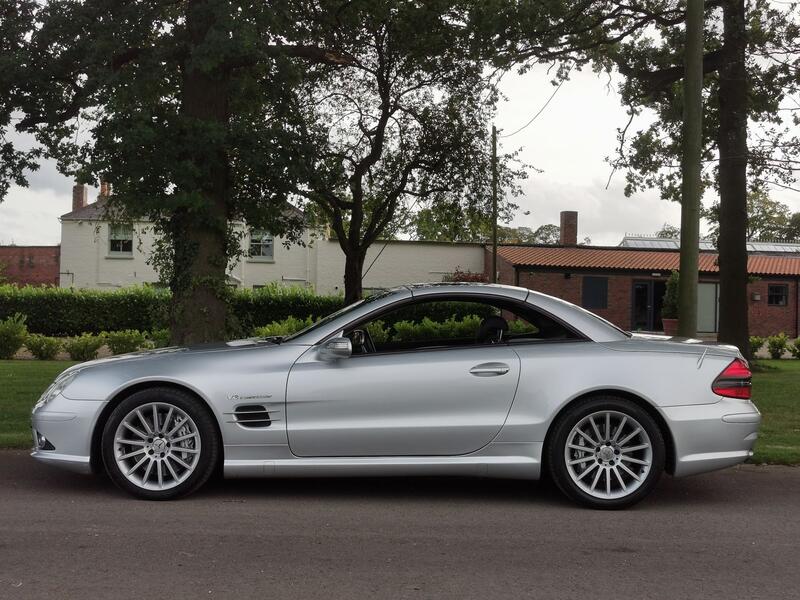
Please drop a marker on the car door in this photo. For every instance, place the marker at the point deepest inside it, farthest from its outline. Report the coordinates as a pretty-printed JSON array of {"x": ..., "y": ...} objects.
[{"x": 429, "y": 402}]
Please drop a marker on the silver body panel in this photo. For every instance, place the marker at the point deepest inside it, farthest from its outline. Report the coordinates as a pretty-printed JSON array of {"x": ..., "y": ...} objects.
[{"x": 462, "y": 411}]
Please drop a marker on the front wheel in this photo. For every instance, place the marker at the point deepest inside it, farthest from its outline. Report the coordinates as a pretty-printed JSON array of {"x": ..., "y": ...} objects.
[
  {"x": 606, "y": 452},
  {"x": 160, "y": 444}
]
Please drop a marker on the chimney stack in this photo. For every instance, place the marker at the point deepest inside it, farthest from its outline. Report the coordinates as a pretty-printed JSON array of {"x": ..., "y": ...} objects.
[
  {"x": 80, "y": 196},
  {"x": 569, "y": 228},
  {"x": 105, "y": 188}
]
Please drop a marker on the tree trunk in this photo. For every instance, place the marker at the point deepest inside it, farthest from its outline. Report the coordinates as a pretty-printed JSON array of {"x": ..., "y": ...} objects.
[
  {"x": 733, "y": 105},
  {"x": 691, "y": 188},
  {"x": 199, "y": 233},
  {"x": 353, "y": 269}
]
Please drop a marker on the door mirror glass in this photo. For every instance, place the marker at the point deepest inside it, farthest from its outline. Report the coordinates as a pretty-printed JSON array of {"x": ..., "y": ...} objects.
[{"x": 336, "y": 348}]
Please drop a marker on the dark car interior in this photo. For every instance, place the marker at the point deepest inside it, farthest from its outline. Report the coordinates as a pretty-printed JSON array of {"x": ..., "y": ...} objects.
[{"x": 456, "y": 322}]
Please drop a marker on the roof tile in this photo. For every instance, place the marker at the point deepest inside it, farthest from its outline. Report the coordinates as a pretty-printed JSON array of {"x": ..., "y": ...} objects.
[{"x": 626, "y": 259}]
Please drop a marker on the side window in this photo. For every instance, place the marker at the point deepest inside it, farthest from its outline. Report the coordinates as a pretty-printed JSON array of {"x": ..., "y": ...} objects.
[
  {"x": 594, "y": 293},
  {"x": 261, "y": 245},
  {"x": 120, "y": 240},
  {"x": 777, "y": 295},
  {"x": 453, "y": 323}
]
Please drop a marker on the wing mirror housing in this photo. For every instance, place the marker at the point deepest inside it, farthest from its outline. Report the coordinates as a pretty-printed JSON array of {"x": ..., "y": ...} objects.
[{"x": 336, "y": 348}]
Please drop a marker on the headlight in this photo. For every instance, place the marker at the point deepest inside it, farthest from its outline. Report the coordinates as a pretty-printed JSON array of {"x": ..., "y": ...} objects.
[{"x": 58, "y": 386}]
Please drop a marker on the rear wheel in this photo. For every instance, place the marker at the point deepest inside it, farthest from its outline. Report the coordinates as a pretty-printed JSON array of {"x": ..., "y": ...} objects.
[
  {"x": 159, "y": 444},
  {"x": 606, "y": 452}
]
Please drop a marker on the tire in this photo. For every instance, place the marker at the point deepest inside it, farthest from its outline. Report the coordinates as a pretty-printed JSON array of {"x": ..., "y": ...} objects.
[
  {"x": 596, "y": 456},
  {"x": 160, "y": 443}
]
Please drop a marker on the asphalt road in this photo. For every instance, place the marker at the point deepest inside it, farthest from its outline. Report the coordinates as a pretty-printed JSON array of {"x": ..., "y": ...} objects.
[{"x": 733, "y": 534}]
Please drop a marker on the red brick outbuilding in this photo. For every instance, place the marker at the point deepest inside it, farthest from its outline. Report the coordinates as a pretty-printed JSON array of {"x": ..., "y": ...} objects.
[{"x": 30, "y": 265}]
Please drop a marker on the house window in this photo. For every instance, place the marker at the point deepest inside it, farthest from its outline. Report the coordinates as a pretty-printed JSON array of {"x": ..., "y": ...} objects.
[
  {"x": 595, "y": 292},
  {"x": 261, "y": 245},
  {"x": 120, "y": 239},
  {"x": 777, "y": 295}
]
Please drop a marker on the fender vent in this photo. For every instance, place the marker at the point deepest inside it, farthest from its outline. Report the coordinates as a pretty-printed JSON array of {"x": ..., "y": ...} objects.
[{"x": 252, "y": 416}]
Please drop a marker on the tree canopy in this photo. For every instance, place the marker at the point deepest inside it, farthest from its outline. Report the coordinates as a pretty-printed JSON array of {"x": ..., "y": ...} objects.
[{"x": 404, "y": 126}]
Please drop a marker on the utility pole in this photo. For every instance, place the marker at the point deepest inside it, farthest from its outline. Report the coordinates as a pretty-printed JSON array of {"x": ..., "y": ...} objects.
[
  {"x": 494, "y": 204},
  {"x": 691, "y": 189}
]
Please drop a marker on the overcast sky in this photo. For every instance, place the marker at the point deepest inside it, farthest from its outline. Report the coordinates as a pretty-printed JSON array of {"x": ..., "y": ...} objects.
[{"x": 569, "y": 141}]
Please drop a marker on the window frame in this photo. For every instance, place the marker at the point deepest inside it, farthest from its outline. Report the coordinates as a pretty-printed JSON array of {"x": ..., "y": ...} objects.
[
  {"x": 115, "y": 236},
  {"x": 784, "y": 287},
  {"x": 480, "y": 298},
  {"x": 594, "y": 278},
  {"x": 260, "y": 243}
]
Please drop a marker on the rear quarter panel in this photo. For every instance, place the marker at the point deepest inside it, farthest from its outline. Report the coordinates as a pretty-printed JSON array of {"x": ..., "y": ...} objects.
[{"x": 555, "y": 374}]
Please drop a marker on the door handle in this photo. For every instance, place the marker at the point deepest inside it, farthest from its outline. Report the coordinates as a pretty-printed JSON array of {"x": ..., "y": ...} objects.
[{"x": 490, "y": 369}]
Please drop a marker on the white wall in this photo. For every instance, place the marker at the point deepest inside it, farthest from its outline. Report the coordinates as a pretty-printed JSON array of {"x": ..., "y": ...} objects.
[
  {"x": 86, "y": 262},
  {"x": 399, "y": 263}
]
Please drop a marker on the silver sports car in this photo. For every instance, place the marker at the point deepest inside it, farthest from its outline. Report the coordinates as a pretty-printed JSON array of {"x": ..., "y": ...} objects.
[{"x": 436, "y": 379}]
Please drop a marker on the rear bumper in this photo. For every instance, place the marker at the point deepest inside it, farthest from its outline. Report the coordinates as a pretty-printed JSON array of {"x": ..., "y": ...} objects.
[{"x": 714, "y": 436}]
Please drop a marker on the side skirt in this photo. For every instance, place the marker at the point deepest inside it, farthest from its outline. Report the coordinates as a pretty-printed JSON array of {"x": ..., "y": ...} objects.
[{"x": 489, "y": 462}]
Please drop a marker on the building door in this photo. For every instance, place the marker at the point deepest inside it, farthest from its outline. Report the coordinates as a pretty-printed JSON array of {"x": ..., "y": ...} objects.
[
  {"x": 707, "y": 307},
  {"x": 648, "y": 296}
]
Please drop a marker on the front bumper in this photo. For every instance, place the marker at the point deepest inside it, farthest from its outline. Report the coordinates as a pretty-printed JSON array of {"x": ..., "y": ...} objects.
[
  {"x": 67, "y": 427},
  {"x": 714, "y": 436}
]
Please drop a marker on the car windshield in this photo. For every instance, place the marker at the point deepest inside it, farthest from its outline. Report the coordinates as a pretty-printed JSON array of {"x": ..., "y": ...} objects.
[{"x": 347, "y": 309}]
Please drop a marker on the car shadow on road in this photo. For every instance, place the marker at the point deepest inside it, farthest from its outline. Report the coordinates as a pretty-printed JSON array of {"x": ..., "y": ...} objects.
[
  {"x": 669, "y": 493},
  {"x": 692, "y": 491}
]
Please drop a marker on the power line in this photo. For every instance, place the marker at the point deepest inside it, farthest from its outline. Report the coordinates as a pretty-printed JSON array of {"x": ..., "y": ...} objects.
[
  {"x": 374, "y": 260},
  {"x": 541, "y": 110}
]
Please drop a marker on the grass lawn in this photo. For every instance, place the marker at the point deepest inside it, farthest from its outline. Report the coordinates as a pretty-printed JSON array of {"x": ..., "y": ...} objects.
[
  {"x": 21, "y": 384},
  {"x": 776, "y": 391}
]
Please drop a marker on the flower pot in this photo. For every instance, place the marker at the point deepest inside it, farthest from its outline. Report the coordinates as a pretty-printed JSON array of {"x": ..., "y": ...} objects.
[{"x": 670, "y": 326}]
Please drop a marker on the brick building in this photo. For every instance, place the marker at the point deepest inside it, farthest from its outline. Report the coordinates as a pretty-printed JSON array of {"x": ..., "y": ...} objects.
[
  {"x": 30, "y": 265},
  {"x": 625, "y": 284}
]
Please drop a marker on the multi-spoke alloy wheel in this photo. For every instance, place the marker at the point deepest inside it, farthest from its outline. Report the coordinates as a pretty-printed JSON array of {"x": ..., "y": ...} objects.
[
  {"x": 606, "y": 452},
  {"x": 160, "y": 443},
  {"x": 157, "y": 446}
]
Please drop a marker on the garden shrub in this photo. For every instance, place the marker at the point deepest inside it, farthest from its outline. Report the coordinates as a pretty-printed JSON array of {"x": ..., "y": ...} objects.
[
  {"x": 13, "y": 332},
  {"x": 439, "y": 311},
  {"x": 794, "y": 348},
  {"x": 756, "y": 343},
  {"x": 158, "y": 338},
  {"x": 466, "y": 276},
  {"x": 43, "y": 347},
  {"x": 429, "y": 329},
  {"x": 123, "y": 342},
  {"x": 378, "y": 332},
  {"x": 777, "y": 344},
  {"x": 84, "y": 347},
  {"x": 518, "y": 327},
  {"x": 283, "y": 328}
]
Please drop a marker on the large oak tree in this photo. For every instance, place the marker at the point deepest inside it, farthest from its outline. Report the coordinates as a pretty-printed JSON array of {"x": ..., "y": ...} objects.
[{"x": 182, "y": 107}]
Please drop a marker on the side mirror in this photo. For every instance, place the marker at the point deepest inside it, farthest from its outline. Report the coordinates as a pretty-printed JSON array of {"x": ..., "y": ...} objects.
[{"x": 336, "y": 348}]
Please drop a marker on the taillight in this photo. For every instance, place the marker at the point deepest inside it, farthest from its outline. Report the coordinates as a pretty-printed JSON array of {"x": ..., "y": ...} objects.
[{"x": 734, "y": 381}]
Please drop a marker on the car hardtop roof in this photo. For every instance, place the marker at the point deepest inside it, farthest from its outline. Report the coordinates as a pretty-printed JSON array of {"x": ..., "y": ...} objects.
[{"x": 420, "y": 289}]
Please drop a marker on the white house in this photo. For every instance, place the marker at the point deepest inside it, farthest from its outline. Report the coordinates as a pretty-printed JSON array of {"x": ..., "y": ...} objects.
[{"x": 96, "y": 254}]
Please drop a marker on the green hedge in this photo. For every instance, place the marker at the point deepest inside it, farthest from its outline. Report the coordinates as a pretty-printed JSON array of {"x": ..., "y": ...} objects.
[
  {"x": 67, "y": 312},
  {"x": 259, "y": 308}
]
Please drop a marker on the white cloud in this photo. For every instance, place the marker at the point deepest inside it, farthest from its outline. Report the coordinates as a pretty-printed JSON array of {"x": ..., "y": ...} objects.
[{"x": 29, "y": 217}]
